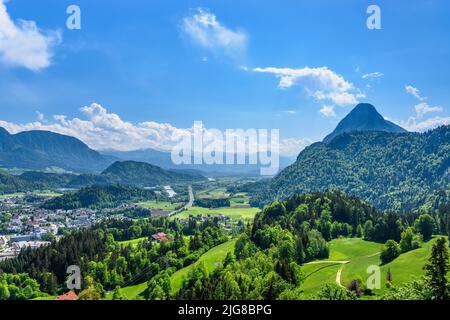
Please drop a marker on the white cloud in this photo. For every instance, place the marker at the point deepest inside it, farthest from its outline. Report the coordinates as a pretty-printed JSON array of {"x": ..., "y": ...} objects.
[
  {"x": 424, "y": 108},
  {"x": 23, "y": 44},
  {"x": 413, "y": 125},
  {"x": 414, "y": 92},
  {"x": 101, "y": 129},
  {"x": 328, "y": 111},
  {"x": 373, "y": 75},
  {"x": 292, "y": 147},
  {"x": 290, "y": 111},
  {"x": 320, "y": 83},
  {"x": 205, "y": 30}
]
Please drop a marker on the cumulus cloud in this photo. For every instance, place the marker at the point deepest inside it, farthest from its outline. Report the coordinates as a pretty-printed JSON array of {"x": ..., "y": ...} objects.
[
  {"x": 328, "y": 111},
  {"x": 101, "y": 129},
  {"x": 23, "y": 44},
  {"x": 422, "y": 126},
  {"x": 204, "y": 28},
  {"x": 414, "y": 92},
  {"x": 372, "y": 76},
  {"x": 424, "y": 108},
  {"x": 322, "y": 84},
  {"x": 292, "y": 147}
]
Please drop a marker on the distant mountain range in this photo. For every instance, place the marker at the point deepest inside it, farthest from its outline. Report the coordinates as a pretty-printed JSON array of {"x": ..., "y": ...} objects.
[
  {"x": 52, "y": 152},
  {"x": 128, "y": 173},
  {"x": 44, "y": 150},
  {"x": 364, "y": 117},
  {"x": 373, "y": 159},
  {"x": 164, "y": 160}
]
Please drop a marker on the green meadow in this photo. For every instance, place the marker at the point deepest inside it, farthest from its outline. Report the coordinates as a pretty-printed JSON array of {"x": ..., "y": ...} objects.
[
  {"x": 354, "y": 256},
  {"x": 162, "y": 205},
  {"x": 209, "y": 260}
]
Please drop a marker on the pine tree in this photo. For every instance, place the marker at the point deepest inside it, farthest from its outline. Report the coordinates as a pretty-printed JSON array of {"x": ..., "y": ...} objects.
[{"x": 437, "y": 269}]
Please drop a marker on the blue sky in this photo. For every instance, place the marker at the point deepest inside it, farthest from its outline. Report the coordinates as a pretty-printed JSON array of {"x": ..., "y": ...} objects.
[{"x": 175, "y": 62}]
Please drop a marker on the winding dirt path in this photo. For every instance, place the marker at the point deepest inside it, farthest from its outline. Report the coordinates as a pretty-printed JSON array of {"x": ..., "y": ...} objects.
[{"x": 338, "y": 274}]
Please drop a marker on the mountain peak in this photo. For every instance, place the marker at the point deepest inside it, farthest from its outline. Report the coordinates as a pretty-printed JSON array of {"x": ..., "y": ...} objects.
[{"x": 364, "y": 117}]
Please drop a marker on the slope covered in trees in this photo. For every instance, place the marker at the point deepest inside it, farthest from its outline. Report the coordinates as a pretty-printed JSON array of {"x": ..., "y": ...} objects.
[
  {"x": 144, "y": 174},
  {"x": 98, "y": 197},
  {"x": 39, "y": 150},
  {"x": 395, "y": 171}
]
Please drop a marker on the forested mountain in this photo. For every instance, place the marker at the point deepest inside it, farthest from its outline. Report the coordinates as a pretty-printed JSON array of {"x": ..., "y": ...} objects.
[
  {"x": 364, "y": 117},
  {"x": 137, "y": 174},
  {"x": 41, "y": 150},
  {"x": 395, "y": 171},
  {"x": 145, "y": 174},
  {"x": 9, "y": 183},
  {"x": 98, "y": 197}
]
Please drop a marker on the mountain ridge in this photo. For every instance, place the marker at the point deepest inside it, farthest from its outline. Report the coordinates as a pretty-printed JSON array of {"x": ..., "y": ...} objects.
[
  {"x": 402, "y": 171},
  {"x": 40, "y": 150},
  {"x": 364, "y": 117}
]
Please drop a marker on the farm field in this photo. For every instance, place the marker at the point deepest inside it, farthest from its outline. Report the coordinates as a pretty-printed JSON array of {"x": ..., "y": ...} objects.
[
  {"x": 215, "y": 193},
  {"x": 162, "y": 205},
  {"x": 239, "y": 199},
  {"x": 233, "y": 213}
]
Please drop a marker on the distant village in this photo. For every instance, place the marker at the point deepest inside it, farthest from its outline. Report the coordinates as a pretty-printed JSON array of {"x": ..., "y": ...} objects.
[
  {"x": 26, "y": 225},
  {"x": 29, "y": 226}
]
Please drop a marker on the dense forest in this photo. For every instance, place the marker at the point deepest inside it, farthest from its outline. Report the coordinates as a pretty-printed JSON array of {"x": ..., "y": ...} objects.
[
  {"x": 107, "y": 263},
  {"x": 265, "y": 264},
  {"x": 98, "y": 197},
  {"x": 129, "y": 173},
  {"x": 402, "y": 172},
  {"x": 268, "y": 257},
  {"x": 212, "y": 203}
]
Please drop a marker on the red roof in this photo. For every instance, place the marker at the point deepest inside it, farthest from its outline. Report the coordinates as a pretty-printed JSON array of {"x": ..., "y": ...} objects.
[
  {"x": 68, "y": 296},
  {"x": 160, "y": 236}
]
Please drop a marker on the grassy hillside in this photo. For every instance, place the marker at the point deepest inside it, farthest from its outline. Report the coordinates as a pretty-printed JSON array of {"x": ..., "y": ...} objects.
[
  {"x": 209, "y": 260},
  {"x": 216, "y": 254},
  {"x": 354, "y": 256}
]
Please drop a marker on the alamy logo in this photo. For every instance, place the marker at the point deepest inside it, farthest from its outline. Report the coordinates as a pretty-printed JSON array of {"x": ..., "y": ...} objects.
[
  {"x": 74, "y": 20},
  {"x": 374, "y": 20},
  {"x": 74, "y": 278},
  {"x": 232, "y": 147},
  {"x": 374, "y": 280}
]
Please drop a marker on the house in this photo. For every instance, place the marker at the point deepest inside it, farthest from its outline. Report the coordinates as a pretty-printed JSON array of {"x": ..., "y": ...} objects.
[
  {"x": 68, "y": 296},
  {"x": 159, "y": 237}
]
